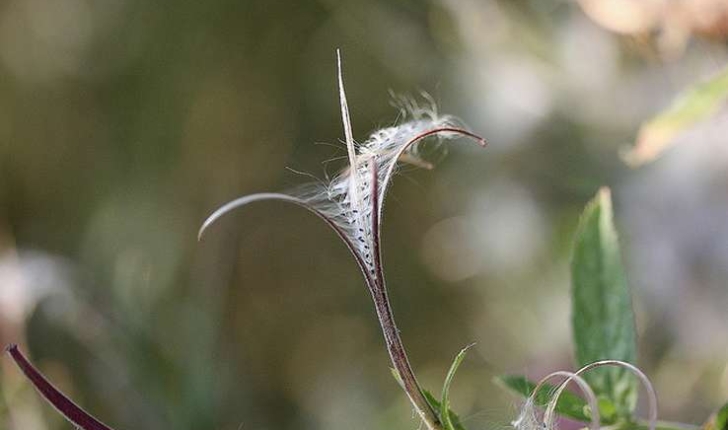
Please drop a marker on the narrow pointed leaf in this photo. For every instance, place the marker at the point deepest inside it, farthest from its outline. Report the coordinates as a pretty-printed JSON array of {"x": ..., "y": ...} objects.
[
  {"x": 52, "y": 395},
  {"x": 693, "y": 105},
  {"x": 454, "y": 418},
  {"x": 356, "y": 186},
  {"x": 602, "y": 317},
  {"x": 445, "y": 401}
]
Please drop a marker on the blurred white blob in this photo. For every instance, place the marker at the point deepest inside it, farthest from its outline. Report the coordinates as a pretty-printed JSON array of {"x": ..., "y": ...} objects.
[
  {"x": 503, "y": 232},
  {"x": 588, "y": 56},
  {"x": 515, "y": 97},
  {"x": 26, "y": 278},
  {"x": 481, "y": 23},
  {"x": 623, "y": 16},
  {"x": 504, "y": 83},
  {"x": 45, "y": 40},
  {"x": 448, "y": 252},
  {"x": 510, "y": 231}
]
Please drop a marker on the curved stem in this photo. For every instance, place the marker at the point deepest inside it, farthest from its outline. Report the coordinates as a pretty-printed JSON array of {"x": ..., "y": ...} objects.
[
  {"x": 395, "y": 347},
  {"x": 65, "y": 406},
  {"x": 398, "y": 355}
]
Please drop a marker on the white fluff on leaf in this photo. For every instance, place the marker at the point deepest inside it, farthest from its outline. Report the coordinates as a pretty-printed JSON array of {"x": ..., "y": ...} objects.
[
  {"x": 528, "y": 418},
  {"x": 351, "y": 203}
]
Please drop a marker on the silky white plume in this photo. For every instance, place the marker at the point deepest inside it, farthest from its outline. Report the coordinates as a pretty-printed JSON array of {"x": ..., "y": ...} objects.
[
  {"x": 351, "y": 203},
  {"x": 528, "y": 418}
]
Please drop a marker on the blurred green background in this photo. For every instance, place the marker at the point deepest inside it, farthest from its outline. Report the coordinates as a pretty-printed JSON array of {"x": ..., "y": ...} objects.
[{"x": 124, "y": 123}]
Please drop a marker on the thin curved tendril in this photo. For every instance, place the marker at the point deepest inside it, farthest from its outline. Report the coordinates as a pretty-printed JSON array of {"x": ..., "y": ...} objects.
[
  {"x": 390, "y": 171},
  {"x": 651, "y": 395},
  {"x": 583, "y": 385},
  {"x": 245, "y": 200}
]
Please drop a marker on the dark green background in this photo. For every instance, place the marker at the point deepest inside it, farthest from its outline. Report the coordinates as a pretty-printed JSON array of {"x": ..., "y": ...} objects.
[{"x": 123, "y": 124}]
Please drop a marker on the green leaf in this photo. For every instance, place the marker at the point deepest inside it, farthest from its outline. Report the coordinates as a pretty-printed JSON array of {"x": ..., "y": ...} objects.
[
  {"x": 434, "y": 403},
  {"x": 569, "y": 405},
  {"x": 445, "y": 402},
  {"x": 454, "y": 418},
  {"x": 719, "y": 420},
  {"x": 602, "y": 317},
  {"x": 690, "y": 107},
  {"x": 607, "y": 410}
]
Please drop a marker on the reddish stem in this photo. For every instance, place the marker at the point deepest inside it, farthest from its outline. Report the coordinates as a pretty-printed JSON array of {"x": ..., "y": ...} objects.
[{"x": 63, "y": 404}]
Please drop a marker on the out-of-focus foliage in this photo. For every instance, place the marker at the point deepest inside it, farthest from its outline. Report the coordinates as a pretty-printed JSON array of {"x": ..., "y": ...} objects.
[
  {"x": 602, "y": 323},
  {"x": 695, "y": 104},
  {"x": 671, "y": 23},
  {"x": 123, "y": 124},
  {"x": 719, "y": 420}
]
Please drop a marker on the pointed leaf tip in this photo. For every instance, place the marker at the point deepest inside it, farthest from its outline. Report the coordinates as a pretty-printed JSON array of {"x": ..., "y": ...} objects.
[
  {"x": 445, "y": 413},
  {"x": 65, "y": 406},
  {"x": 605, "y": 197},
  {"x": 693, "y": 105}
]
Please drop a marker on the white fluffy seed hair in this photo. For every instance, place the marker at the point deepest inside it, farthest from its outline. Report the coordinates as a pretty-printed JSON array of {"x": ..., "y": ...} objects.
[
  {"x": 352, "y": 201},
  {"x": 528, "y": 418},
  {"x": 644, "y": 380},
  {"x": 347, "y": 199}
]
